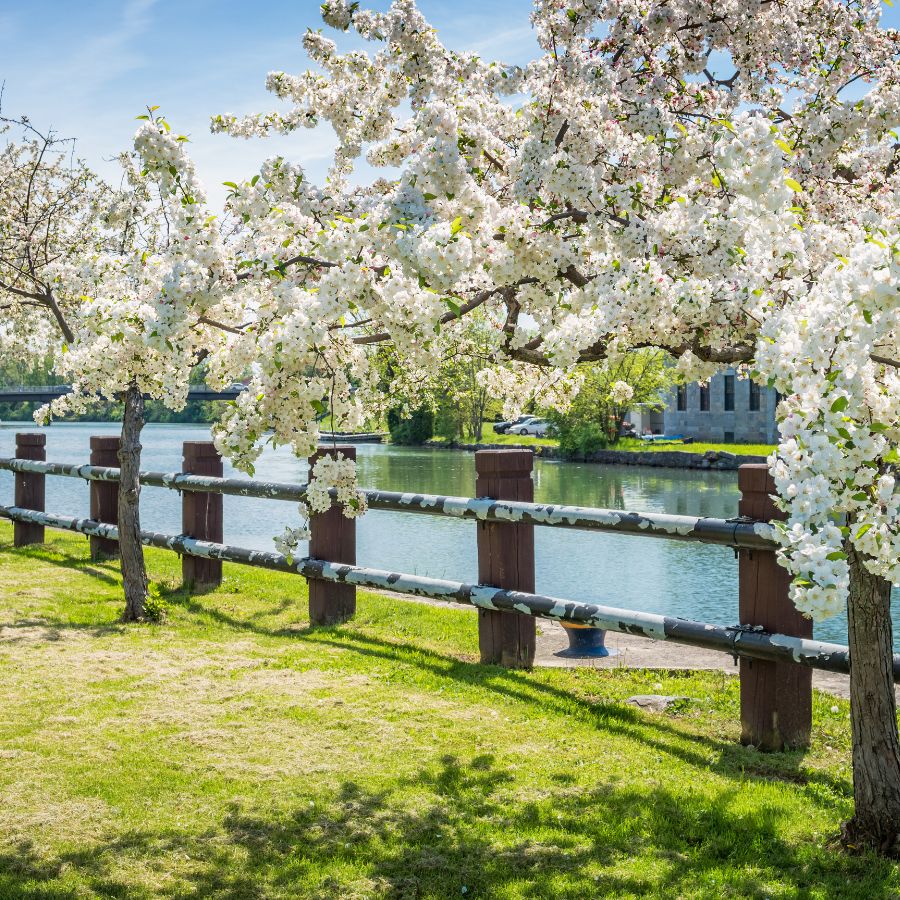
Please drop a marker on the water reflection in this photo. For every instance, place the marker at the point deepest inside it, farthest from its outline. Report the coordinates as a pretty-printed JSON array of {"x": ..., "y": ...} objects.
[{"x": 686, "y": 579}]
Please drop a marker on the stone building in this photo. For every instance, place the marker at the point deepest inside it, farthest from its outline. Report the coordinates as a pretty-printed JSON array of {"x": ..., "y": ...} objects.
[{"x": 728, "y": 409}]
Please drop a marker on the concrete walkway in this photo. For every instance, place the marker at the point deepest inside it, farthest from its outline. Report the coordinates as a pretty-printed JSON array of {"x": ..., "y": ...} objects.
[
  {"x": 640, "y": 653},
  {"x": 643, "y": 653}
]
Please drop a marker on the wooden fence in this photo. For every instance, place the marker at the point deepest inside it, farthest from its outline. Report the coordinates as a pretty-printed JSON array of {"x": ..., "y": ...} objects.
[{"x": 773, "y": 641}]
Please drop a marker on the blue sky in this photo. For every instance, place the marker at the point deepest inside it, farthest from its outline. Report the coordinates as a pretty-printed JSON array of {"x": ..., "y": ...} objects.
[
  {"x": 88, "y": 68},
  {"x": 91, "y": 67}
]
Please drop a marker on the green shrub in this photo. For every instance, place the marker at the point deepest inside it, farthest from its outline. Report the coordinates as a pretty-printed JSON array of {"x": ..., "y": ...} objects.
[
  {"x": 580, "y": 438},
  {"x": 447, "y": 421},
  {"x": 155, "y": 606},
  {"x": 416, "y": 429}
]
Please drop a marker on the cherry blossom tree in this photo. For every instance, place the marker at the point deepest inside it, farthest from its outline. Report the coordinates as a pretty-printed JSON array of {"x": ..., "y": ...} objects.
[
  {"x": 719, "y": 180},
  {"x": 113, "y": 282}
]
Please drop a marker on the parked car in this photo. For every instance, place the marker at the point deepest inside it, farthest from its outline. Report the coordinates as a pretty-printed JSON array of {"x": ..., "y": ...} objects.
[
  {"x": 534, "y": 427},
  {"x": 504, "y": 427}
]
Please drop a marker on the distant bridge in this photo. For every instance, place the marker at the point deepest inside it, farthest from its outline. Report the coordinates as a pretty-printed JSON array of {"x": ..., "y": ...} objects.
[{"x": 50, "y": 392}]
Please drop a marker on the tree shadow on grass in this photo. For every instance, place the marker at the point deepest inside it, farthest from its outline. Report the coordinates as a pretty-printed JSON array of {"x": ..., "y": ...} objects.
[
  {"x": 660, "y": 732},
  {"x": 663, "y": 733},
  {"x": 55, "y": 556},
  {"x": 464, "y": 828}
]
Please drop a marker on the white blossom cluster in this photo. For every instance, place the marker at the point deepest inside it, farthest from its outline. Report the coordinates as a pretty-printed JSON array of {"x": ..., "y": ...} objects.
[
  {"x": 662, "y": 175},
  {"x": 840, "y": 421},
  {"x": 132, "y": 273},
  {"x": 721, "y": 181},
  {"x": 329, "y": 472},
  {"x": 621, "y": 392}
]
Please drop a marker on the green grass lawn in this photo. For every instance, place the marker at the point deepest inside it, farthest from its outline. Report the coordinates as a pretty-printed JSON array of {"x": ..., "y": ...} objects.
[
  {"x": 635, "y": 445},
  {"x": 526, "y": 440},
  {"x": 631, "y": 445},
  {"x": 489, "y": 436},
  {"x": 233, "y": 752}
]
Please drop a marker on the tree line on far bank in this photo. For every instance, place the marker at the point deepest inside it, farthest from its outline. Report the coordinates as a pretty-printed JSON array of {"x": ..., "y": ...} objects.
[
  {"x": 461, "y": 404},
  {"x": 38, "y": 373}
]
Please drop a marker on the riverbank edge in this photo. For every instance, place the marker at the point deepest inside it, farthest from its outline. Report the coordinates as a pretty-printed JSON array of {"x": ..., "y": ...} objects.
[{"x": 720, "y": 460}]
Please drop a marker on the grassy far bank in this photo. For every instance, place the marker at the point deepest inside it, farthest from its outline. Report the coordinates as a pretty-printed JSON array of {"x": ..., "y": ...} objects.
[
  {"x": 232, "y": 752},
  {"x": 634, "y": 445},
  {"x": 489, "y": 436},
  {"x": 630, "y": 445}
]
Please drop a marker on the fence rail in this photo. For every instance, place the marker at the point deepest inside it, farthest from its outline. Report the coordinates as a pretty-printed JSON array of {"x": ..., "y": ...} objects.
[
  {"x": 773, "y": 642},
  {"x": 736, "y": 532},
  {"x": 735, "y": 640}
]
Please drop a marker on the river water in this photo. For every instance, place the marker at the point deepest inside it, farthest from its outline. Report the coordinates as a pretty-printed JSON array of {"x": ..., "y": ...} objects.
[{"x": 690, "y": 580}]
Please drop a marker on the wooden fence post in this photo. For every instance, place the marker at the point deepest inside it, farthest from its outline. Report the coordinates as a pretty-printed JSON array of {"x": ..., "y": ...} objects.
[
  {"x": 29, "y": 487},
  {"x": 104, "y": 494},
  {"x": 776, "y": 698},
  {"x": 332, "y": 538},
  {"x": 505, "y": 558},
  {"x": 201, "y": 515}
]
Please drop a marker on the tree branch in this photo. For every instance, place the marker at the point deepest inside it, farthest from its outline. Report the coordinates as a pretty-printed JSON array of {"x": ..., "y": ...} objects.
[{"x": 294, "y": 260}]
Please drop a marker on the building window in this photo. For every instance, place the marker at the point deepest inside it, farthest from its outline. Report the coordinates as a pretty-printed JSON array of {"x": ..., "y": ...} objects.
[
  {"x": 681, "y": 398},
  {"x": 728, "y": 437},
  {"x": 754, "y": 397},
  {"x": 704, "y": 397},
  {"x": 729, "y": 393}
]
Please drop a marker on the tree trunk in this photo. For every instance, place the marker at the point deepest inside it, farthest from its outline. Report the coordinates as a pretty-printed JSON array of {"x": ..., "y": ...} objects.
[
  {"x": 134, "y": 572},
  {"x": 873, "y": 715}
]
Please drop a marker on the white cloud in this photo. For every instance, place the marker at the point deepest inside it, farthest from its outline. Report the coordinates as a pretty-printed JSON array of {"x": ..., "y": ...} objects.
[
  {"x": 96, "y": 62},
  {"x": 510, "y": 45}
]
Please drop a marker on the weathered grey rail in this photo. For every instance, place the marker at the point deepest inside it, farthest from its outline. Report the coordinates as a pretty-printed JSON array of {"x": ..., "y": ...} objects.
[
  {"x": 738, "y": 532},
  {"x": 738, "y": 641}
]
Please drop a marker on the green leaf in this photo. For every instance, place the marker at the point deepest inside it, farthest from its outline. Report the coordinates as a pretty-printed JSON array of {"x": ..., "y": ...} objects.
[
  {"x": 253, "y": 180},
  {"x": 840, "y": 404},
  {"x": 863, "y": 529},
  {"x": 455, "y": 308},
  {"x": 793, "y": 184},
  {"x": 837, "y": 554},
  {"x": 785, "y": 146},
  {"x": 430, "y": 196},
  {"x": 456, "y": 225},
  {"x": 230, "y": 184}
]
